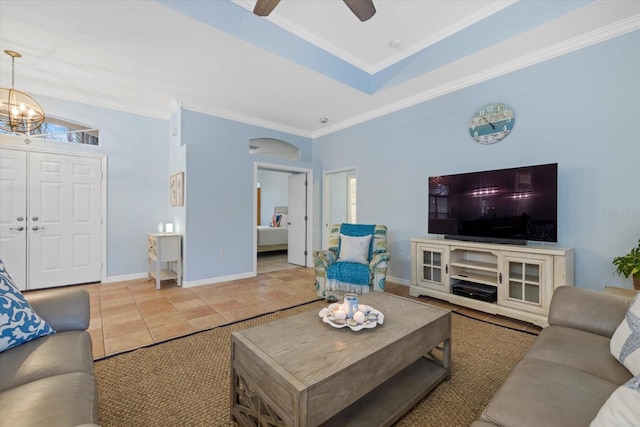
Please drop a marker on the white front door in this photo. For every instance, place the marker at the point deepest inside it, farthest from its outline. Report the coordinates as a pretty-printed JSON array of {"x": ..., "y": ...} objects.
[
  {"x": 297, "y": 247},
  {"x": 64, "y": 220},
  {"x": 13, "y": 215}
]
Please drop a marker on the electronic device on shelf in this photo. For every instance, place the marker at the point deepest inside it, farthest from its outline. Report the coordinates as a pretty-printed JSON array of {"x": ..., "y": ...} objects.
[
  {"x": 512, "y": 205},
  {"x": 477, "y": 291}
]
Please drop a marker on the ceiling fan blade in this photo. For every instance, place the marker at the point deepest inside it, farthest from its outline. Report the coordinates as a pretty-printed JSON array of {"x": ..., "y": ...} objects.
[
  {"x": 363, "y": 9},
  {"x": 264, "y": 7}
]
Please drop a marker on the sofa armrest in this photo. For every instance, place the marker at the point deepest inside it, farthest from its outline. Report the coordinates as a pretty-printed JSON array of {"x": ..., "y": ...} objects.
[
  {"x": 64, "y": 310},
  {"x": 588, "y": 310}
]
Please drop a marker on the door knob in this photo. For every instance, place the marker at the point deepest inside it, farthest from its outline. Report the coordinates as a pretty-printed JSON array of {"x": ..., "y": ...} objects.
[
  {"x": 17, "y": 228},
  {"x": 20, "y": 218},
  {"x": 35, "y": 218},
  {"x": 36, "y": 228}
]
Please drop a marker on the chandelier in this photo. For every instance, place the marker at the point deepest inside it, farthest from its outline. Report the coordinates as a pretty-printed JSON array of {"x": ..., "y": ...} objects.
[{"x": 19, "y": 113}]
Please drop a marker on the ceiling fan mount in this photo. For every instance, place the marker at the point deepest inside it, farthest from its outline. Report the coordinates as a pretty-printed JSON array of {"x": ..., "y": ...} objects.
[{"x": 363, "y": 9}]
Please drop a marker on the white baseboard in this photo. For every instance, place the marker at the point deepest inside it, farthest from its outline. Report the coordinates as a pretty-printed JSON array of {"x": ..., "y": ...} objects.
[
  {"x": 125, "y": 277},
  {"x": 212, "y": 280},
  {"x": 398, "y": 281}
]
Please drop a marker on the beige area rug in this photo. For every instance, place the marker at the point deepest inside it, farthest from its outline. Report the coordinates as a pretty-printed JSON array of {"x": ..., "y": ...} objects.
[{"x": 185, "y": 382}]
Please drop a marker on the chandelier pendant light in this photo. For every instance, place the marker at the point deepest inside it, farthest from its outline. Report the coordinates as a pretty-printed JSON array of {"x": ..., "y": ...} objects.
[{"x": 19, "y": 113}]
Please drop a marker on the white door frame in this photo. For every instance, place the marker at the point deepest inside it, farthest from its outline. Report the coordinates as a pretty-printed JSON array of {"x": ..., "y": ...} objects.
[
  {"x": 326, "y": 199},
  {"x": 283, "y": 168},
  {"x": 38, "y": 145}
]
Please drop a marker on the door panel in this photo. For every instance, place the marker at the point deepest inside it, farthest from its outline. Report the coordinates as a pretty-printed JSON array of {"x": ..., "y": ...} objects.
[
  {"x": 297, "y": 228},
  {"x": 13, "y": 213},
  {"x": 338, "y": 200},
  {"x": 65, "y": 215}
]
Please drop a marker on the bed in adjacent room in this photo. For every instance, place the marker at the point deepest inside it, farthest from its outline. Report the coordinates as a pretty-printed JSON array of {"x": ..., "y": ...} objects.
[{"x": 275, "y": 236}]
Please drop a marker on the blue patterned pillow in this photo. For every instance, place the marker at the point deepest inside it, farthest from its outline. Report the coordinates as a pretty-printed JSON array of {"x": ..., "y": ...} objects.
[
  {"x": 625, "y": 342},
  {"x": 18, "y": 322}
]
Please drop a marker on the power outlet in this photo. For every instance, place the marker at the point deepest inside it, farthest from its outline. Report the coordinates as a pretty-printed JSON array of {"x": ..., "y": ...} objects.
[
  {"x": 222, "y": 254},
  {"x": 401, "y": 257}
]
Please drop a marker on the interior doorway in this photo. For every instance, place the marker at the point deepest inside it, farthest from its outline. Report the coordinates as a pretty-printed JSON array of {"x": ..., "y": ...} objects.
[
  {"x": 339, "y": 199},
  {"x": 284, "y": 238}
]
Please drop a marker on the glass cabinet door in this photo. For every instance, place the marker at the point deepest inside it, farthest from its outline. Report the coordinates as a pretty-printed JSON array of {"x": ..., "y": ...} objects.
[
  {"x": 431, "y": 267},
  {"x": 524, "y": 281}
]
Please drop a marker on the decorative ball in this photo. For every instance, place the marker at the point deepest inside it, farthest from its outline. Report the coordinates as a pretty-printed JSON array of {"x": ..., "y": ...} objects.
[
  {"x": 340, "y": 314},
  {"x": 363, "y": 308},
  {"x": 359, "y": 317}
]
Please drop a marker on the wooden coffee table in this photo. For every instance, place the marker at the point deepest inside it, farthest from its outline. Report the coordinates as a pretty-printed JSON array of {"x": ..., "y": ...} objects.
[{"x": 299, "y": 371}]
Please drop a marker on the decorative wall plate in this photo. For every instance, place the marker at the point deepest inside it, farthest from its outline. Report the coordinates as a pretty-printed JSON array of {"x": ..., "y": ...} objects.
[{"x": 491, "y": 123}]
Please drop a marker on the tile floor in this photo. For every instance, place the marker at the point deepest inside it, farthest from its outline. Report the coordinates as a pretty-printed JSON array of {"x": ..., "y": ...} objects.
[
  {"x": 133, "y": 314},
  {"x": 273, "y": 261}
]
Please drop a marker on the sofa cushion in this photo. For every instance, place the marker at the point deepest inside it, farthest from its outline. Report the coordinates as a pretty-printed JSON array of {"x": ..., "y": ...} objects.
[
  {"x": 58, "y": 401},
  {"x": 62, "y": 353},
  {"x": 542, "y": 393},
  {"x": 579, "y": 349},
  {"x": 18, "y": 322},
  {"x": 625, "y": 342},
  {"x": 587, "y": 310},
  {"x": 622, "y": 408}
]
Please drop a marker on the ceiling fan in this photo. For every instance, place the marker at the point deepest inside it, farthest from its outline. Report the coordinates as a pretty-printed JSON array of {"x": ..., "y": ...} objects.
[{"x": 363, "y": 9}]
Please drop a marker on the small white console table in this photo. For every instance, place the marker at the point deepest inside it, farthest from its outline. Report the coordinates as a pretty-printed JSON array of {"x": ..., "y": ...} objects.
[{"x": 164, "y": 248}]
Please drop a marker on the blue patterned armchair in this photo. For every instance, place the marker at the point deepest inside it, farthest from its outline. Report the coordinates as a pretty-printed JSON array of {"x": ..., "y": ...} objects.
[{"x": 356, "y": 261}]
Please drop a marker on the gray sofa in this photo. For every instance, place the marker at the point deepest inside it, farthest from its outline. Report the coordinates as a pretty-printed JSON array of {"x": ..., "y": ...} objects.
[
  {"x": 50, "y": 381},
  {"x": 569, "y": 372}
]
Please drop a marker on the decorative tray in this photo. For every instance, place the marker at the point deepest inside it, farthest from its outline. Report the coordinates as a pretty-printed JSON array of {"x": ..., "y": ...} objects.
[{"x": 372, "y": 317}]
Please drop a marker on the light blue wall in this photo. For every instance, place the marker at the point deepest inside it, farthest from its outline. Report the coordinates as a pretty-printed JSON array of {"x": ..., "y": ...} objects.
[
  {"x": 137, "y": 177},
  {"x": 579, "y": 110},
  {"x": 220, "y": 195}
]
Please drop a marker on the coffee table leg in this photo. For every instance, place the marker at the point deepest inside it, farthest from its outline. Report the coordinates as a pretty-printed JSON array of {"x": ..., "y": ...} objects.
[{"x": 446, "y": 357}]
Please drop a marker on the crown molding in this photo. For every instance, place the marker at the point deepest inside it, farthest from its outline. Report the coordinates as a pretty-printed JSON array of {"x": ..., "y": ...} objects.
[
  {"x": 452, "y": 29},
  {"x": 174, "y": 106},
  {"x": 588, "y": 39},
  {"x": 368, "y": 67},
  {"x": 230, "y": 115},
  {"x": 155, "y": 114}
]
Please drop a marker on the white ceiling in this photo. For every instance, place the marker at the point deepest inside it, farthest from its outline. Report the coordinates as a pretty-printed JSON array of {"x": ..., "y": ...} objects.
[
  {"x": 414, "y": 24},
  {"x": 144, "y": 56}
]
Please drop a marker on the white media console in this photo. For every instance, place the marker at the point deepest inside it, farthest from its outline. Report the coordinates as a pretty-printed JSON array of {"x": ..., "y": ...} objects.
[{"x": 520, "y": 279}]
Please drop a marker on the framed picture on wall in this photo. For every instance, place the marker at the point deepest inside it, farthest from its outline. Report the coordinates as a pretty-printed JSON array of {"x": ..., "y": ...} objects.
[
  {"x": 180, "y": 188},
  {"x": 176, "y": 189}
]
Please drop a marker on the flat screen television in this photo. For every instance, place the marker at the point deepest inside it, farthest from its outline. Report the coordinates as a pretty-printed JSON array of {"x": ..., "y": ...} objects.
[{"x": 513, "y": 205}]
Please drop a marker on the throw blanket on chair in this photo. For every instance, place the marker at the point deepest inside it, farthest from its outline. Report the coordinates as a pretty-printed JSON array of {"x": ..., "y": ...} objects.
[{"x": 351, "y": 276}]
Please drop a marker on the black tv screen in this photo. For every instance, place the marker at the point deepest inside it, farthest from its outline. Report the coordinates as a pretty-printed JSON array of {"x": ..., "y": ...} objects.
[{"x": 506, "y": 205}]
